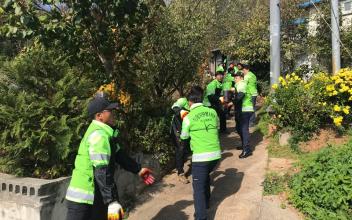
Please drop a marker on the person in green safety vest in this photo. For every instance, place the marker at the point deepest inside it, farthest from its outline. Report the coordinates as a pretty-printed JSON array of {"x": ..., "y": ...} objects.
[
  {"x": 239, "y": 66},
  {"x": 201, "y": 127},
  {"x": 92, "y": 193},
  {"x": 180, "y": 109},
  {"x": 228, "y": 85},
  {"x": 243, "y": 111},
  {"x": 251, "y": 81},
  {"x": 214, "y": 98}
]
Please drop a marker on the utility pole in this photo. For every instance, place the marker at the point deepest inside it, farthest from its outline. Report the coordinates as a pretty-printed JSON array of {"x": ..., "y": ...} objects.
[
  {"x": 275, "y": 59},
  {"x": 335, "y": 36}
]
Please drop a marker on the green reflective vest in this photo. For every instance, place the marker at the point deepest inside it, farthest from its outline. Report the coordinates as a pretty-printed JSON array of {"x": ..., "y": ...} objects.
[
  {"x": 94, "y": 151},
  {"x": 228, "y": 79},
  {"x": 201, "y": 125},
  {"x": 211, "y": 89},
  {"x": 236, "y": 69},
  {"x": 181, "y": 103},
  {"x": 247, "y": 105},
  {"x": 251, "y": 81}
]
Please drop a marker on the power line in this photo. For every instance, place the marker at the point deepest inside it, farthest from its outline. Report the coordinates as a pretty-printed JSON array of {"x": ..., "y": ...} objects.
[{"x": 322, "y": 16}]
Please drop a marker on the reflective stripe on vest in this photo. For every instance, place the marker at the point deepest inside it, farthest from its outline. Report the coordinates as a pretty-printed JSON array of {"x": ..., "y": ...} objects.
[
  {"x": 77, "y": 195},
  {"x": 208, "y": 156},
  {"x": 248, "y": 109},
  {"x": 104, "y": 157}
]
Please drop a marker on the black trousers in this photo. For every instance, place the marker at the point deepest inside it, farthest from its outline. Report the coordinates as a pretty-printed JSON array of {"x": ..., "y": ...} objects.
[
  {"x": 201, "y": 187},
  {"x": 244, "y": 129},
  {"x": 238, "y": 123},
  {"x": 181, "y": 152},
  {"x": 222, "y": 116},
  {"x": 81, "y": 211},
  {"x": 254, "y": 101}
]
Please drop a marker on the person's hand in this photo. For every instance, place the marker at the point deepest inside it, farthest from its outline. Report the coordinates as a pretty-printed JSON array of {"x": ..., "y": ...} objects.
[
  {"x": 233, "y": 89},
  {"x": 147, "y": 176},
  {"x": 183, "y": 114},
  {"x": 222, "y": 100},
  {"x": 115, "y": 211}
]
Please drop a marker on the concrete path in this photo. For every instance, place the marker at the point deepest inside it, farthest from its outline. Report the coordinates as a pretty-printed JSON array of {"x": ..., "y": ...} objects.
[{"x": 236, "y": 188}]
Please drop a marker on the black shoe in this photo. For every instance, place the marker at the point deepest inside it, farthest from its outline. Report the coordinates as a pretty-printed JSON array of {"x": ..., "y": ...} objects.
[
  {"x": 245, "y": 154},
  {"x": 225, "y": 132}
]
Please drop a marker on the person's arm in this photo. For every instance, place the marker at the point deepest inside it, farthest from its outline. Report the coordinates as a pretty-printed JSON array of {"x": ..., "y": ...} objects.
[
  {"x": 126, "y": 162},
  {"x": 129, "y": 164},
  {"x": 185, "y": 135},
  {"x": 99, "y": 154},
  {"x": 239, "y": 96},
  {"x": 241, "y": 92},
  {"x": 213, "y": 95}
]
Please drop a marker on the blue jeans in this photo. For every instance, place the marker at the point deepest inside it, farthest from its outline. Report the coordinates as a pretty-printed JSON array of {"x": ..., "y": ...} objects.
[{"x": 201, "y": 187}]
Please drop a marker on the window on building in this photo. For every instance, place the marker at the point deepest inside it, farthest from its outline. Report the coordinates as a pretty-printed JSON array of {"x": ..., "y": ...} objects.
[{"x": 348, "y": 6}]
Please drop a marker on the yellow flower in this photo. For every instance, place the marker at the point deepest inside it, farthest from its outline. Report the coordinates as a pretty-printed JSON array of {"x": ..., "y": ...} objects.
[
  {"x": 337, "y": 81},
  {"x": 334, "y": 93},
  {"x": 346, "y": 110},
  {"x": 324, "y": 103},
  {"x": 337, "y": 108},
  {"x": 338, "y": 120},
  {"x": 297, "y": 78},
  {"x": 284, "y": 83},
  {"x": 330, "y": 88},
  {"x": 274, "y": 86}
]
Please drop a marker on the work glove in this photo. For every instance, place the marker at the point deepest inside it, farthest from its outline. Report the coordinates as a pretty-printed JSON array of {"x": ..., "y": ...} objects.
[
  {"x": 147, "y": 176},
  {"x": 222, "y": 100},
  {"x": 115, "y": 211},
  {"x": 183, "y": 114}
]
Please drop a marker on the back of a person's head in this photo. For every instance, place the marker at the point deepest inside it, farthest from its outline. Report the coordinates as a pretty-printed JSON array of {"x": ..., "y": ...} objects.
[
  {"x": 245, "y": 66},
  {"x": 196, "y": 94}
]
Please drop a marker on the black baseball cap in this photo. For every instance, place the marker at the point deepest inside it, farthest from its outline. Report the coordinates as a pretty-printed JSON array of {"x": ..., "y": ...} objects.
[{"x": 99, "y": 104}]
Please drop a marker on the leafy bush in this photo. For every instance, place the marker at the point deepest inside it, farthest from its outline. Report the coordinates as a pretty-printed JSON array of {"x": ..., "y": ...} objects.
[
  {"x": 339, "y": 97},
  {"x": 149, "y": 131},
  {"x": 263, "y": 87},
  {"x": 42, "y": 114},
  {"x": 323, "y": 188},
  {"x": 274, "y": 183},
  {"x": 302, "y": 107},
  {"x": 297, "y": 109}
]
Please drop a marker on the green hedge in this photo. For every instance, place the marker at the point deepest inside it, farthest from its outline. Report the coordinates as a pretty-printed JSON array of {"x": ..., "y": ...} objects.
[{"x": 42, "y": 114}]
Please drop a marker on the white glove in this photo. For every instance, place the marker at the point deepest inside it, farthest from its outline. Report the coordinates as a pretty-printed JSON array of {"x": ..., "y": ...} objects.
[{"x": 115, "y": 211}]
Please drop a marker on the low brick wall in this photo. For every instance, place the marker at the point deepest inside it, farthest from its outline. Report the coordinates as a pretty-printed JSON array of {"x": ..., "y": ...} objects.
[
  {"x": 31, "y": 198},
  {"x": 39, "y": 199}
]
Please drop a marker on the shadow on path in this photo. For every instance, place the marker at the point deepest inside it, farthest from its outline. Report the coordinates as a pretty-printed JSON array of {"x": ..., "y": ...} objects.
[
  {"x": 174, "y": 211},
  {"x": 227, "y": 183}
]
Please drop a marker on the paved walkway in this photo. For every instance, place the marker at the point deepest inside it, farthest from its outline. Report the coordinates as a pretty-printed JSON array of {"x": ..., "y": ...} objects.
[{"x": 236, "y": 189}]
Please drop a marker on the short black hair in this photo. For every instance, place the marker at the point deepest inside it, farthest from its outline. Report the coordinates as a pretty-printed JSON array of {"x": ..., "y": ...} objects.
[
  {"x": 195, "y": 95},
  {"x": 239, "y": 73},
  {"x": 240, "y": 64},
  {"x": 219, "y": 73},
  {"x": 245, "y": 66}
]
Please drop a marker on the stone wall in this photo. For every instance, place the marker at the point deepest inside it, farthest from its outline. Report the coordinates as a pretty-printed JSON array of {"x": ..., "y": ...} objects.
[{"x": 39, "y": 199}]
